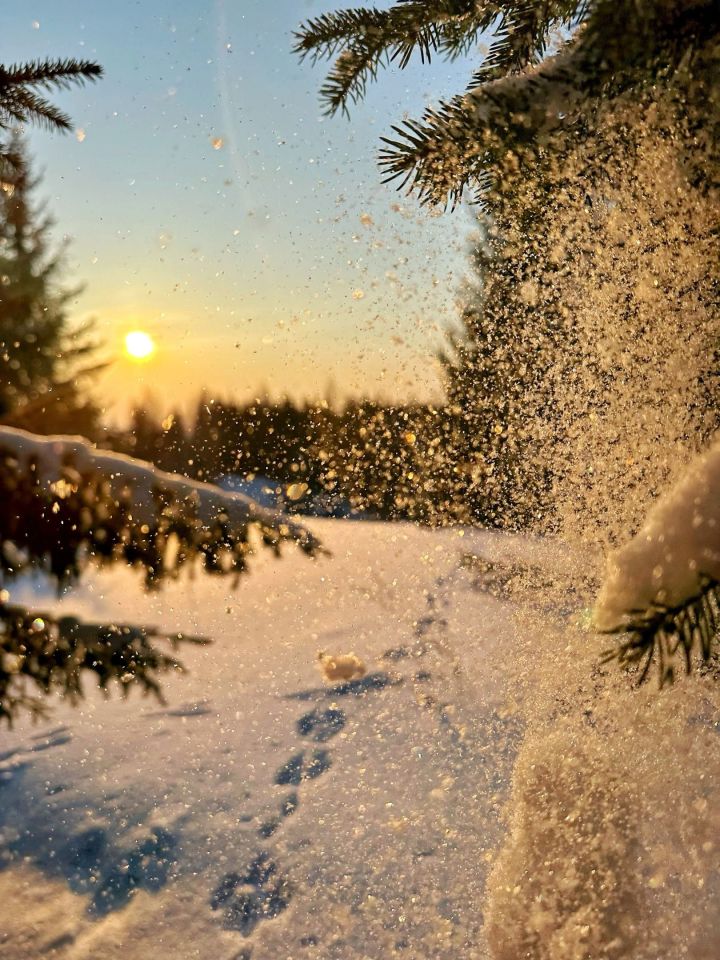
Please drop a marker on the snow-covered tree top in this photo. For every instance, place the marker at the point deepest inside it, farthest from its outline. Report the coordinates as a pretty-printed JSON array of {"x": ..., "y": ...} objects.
[{"x": 673, "y": 557}]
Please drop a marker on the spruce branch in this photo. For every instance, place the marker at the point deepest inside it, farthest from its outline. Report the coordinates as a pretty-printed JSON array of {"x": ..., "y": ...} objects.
[
  {"x": 18, "y": 105},
  {"x": 320, "y": 37},
  {"x": 438, "y": 157},
  {"x": 521, "y": 39},
  {"x": 671, "y": 635},
  {"x": 43, "y": 653},
  {"x": 66, "y": 504},
  {"x": 19, "y": 83},
  {"x": 368, "y": 39},
  {"x": 548, "y": 62},
  {"x": 59, "y": 74},
  {"x": 662, "y": 588}
]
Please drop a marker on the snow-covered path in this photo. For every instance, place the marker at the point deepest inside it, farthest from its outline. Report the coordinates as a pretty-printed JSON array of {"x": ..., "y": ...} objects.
[{"x": 262, "y": 813}]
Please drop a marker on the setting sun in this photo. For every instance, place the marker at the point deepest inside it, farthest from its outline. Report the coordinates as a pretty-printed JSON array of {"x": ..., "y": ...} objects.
[{"x": 139, "y": 345}]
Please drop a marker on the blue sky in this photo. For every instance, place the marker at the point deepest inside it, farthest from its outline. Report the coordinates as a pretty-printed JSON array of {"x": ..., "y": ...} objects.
[{"x": 277, "y": 260}]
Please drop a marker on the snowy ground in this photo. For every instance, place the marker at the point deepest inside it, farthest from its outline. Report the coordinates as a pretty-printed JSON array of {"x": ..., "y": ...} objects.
[{"x": 265, "y": 814}]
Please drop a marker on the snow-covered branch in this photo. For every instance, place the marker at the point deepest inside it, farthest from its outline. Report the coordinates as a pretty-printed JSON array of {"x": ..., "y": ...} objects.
[
  {"x": 64, "y": 502},
  {"x": 664, "y": 586}
]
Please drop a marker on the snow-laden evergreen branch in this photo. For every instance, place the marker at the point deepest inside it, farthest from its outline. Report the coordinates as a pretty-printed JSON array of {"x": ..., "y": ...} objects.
[
  {"x": 65, "y": 502},
  {"x": 518, "y": 105},
  {"x": 663, "y": 588},
  {"x": 524, "y": 88}
]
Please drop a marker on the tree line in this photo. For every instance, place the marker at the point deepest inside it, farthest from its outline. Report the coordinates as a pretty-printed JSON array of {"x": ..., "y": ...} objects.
[{"x": 359, "y": 457}]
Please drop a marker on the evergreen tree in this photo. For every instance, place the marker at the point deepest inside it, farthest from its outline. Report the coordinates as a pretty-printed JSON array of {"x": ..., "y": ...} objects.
[
  {"x": 490, "y": 368},
  {"x": 37, "y": 384},
  {"x": 45, "y": 360},
  {"x": 589, "y": 135}
]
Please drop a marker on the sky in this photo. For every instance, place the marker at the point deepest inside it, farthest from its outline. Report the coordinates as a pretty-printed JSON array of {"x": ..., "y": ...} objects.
[{"x": 206, "y": 200}]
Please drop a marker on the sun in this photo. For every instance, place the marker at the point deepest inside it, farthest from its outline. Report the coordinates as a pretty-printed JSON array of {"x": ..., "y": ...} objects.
[{"x": 139, "y": 345}]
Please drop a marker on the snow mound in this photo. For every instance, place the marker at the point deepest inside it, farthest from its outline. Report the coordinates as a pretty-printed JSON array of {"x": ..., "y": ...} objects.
[{"x": 673, "y": 557}]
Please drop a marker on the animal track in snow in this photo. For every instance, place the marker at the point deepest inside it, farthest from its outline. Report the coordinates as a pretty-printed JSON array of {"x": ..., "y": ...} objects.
[
  {"x": 144, "y": 866},
  {"x": 299, "y": 768},
  {"x": 287, "y": 808},
  {"x": 321, "y": 725},
  {"x": 259, "y": 893}
]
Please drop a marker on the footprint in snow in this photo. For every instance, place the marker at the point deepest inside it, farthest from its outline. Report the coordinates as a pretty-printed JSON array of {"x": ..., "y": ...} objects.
[
  {"x": 321, "y": 725},
  {"x": 300, "y": 767},
  {"x": 144, "y": 866},
  {"x": 259, "y": 893},
  {"x": 83, "y": 858},
  {"x": 287, "y": 809}
]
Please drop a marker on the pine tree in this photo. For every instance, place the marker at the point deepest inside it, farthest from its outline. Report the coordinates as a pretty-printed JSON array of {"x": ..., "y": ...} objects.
[{"x": 45, "y": 360}]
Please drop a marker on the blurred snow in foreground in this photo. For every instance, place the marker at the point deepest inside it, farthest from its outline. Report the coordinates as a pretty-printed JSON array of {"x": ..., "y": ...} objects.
[{"x": 482, "y": 787}]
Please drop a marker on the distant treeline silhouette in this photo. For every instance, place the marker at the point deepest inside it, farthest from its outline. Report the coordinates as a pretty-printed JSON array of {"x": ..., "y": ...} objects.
[{"x": 360, "y": 457}]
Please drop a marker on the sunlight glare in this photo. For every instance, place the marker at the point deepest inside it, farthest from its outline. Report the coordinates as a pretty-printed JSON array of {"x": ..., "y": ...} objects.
[{"x": 139, "y": 345}]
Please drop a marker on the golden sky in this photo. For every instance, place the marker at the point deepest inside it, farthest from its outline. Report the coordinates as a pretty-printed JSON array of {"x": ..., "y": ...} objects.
[{"x": 207, "y": 201}]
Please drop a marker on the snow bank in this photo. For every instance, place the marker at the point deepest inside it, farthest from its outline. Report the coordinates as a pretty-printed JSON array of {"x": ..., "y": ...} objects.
[{"x": 675, "y": 554}]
